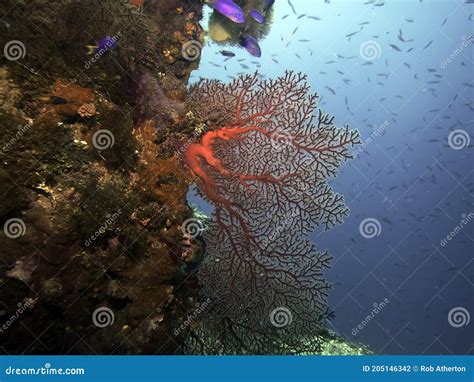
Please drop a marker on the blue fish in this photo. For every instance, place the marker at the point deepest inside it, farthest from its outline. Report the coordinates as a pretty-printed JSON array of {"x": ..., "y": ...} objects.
[
  {"x": 105, "y": 44},
  {"x": 251, "y": 45},
  {"x": 229, "y": 9},
  {"x": 257, "y": 16},
  {"x": 227, "y": 53}
]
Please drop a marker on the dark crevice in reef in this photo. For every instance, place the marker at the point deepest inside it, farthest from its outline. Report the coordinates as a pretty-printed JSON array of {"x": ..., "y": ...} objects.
[{"x": 99, "y": 215}]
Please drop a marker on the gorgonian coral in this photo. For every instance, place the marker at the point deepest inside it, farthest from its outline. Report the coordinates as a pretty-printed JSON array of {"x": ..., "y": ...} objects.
[{"x": 264, "y": 163}]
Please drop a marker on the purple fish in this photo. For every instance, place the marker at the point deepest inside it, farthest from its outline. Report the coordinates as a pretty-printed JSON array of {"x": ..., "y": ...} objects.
[
  {"x": 257, "y": 16},
  {"x": 229, "y": 9},
  {"x": 251, "y": 45},
  {"x": 107, "y": 43},
  {"x": 103, "y": 45}
]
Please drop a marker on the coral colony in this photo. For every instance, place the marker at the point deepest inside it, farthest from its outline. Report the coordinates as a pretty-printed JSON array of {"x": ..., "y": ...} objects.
[{"x": 264, "y": 163}]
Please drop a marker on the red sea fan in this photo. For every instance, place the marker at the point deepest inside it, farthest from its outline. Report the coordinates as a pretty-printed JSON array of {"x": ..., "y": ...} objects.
[{"x": 264, "y": 163}]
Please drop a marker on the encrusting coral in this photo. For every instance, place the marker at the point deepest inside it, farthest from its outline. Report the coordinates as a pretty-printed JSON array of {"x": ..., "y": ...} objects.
[
  {"x": 102, "y": 223},
  {"x": 264, "y": 163}
]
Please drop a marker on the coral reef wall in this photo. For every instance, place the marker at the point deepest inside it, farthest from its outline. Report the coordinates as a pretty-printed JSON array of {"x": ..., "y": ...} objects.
[{"x": 91, "y": 245}]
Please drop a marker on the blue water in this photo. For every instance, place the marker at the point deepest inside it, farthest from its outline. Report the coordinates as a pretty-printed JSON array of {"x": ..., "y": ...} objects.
[{"x": 407, "y": 177}]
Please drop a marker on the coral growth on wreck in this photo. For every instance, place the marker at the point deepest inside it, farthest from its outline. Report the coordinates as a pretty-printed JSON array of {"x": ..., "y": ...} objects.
[{"x": 264, "y": 163}]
